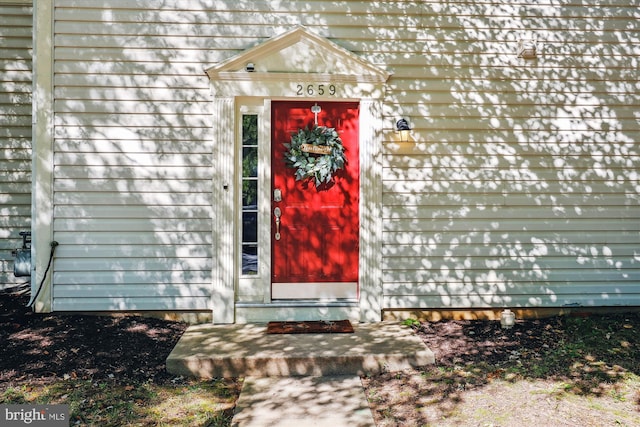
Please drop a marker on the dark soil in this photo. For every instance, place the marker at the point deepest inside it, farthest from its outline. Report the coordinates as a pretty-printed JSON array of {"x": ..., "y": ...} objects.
[
  {"x": 479, "y": 366},
  {"x": 536, "y": 342},
  {"x": 457, "y": 342},
  {"x": 54, "y": 345},
  {"x": 42, "y": 347}
]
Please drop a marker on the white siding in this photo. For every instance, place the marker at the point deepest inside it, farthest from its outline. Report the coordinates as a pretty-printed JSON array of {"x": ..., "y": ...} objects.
[
  {"x": 133, "y": 162},
  {"x": 15, "y": 133},
  {"x": 521, "y": 187}
]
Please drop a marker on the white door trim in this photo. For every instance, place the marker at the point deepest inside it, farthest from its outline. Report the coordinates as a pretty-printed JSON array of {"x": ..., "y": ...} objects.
[{"x": 276, "y": 78}]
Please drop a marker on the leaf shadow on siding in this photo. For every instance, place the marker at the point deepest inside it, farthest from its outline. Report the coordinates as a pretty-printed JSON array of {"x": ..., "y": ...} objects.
[
  {"x": 134, "y": 164},
  {"x": 15, "y": 134},
  {"x": 520, "y": 188}
]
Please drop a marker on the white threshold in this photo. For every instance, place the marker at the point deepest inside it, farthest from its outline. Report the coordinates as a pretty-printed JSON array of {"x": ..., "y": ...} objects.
[{"x": 297, "y": 310}]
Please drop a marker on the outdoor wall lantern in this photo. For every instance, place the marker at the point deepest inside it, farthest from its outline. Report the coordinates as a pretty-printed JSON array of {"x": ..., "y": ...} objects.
[
  {"x": 403, "y": 128},
  {"x": 527, "y": 49}
]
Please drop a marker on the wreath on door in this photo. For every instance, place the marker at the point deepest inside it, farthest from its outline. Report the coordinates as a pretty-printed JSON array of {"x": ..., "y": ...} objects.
[{"x": 315, "y": 154}]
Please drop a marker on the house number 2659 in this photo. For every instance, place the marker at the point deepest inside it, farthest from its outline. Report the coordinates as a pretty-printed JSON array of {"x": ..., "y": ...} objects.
[{"x": 320, "y": 89}]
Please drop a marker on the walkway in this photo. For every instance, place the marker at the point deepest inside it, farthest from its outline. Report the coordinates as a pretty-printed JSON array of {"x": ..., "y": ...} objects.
[{"x": 271, "y": 397}]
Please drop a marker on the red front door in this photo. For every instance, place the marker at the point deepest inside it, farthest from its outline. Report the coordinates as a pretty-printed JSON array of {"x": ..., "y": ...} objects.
[{"x": 315, "y": 254}]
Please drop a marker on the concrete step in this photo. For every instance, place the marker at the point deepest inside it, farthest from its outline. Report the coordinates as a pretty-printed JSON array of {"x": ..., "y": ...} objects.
[{"x": 214, "y": 351}]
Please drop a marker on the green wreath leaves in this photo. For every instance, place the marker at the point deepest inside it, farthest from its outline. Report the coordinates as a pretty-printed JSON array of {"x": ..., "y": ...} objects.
[{"x": 316, "y": 153}]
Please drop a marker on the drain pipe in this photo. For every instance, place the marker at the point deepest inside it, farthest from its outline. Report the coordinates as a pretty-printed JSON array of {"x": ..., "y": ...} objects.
[{"x": 53, "y": 244}]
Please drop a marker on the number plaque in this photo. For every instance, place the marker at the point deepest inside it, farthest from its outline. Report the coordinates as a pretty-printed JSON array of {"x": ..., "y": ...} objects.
[{"x": 316, "y": 89}]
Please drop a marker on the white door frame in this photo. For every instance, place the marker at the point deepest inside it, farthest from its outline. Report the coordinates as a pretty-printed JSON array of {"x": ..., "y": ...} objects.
[{"x": 273, "y": 79}]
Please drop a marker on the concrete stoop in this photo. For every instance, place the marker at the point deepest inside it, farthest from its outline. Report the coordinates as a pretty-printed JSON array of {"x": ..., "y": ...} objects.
[
  {"x": 214, "y": 351},
  {"x": 298, "y": 380}
]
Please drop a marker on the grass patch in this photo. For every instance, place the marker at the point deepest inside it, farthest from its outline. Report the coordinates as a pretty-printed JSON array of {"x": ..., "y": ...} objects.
[
  {"x": 584, "y": 369},
  {"x": 593, "y": 352},
  {"x": 181, "y": 403}
]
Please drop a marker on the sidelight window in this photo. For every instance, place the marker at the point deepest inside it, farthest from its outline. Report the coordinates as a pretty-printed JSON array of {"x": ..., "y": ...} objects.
[{"x": 250, "y": 194}]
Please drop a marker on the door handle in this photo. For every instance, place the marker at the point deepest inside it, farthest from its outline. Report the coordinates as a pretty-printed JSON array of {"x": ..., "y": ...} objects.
[{"x": 278, "y": 213}]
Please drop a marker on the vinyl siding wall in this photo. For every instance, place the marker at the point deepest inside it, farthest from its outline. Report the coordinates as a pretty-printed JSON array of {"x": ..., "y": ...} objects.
[
  {"x": 524, "y": 188},
  {"x": 133, "y": 158},
  {"x": 15, "y": 133},
  {"x": 520, "y": 187}
]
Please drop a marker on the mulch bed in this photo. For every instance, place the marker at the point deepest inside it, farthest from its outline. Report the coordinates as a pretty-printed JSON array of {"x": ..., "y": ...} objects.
[
  {"x": 40, "y": 347},
  {"x": 34, "y": 345},
  {"x": 45, "y": 348}
]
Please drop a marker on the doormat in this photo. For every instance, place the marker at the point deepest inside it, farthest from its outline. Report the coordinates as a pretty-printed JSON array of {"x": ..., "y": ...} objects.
[{"x": 311, "y": 327}]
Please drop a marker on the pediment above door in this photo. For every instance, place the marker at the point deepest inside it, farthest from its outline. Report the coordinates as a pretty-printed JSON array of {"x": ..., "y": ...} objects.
[{"x": 298, "y": 55}]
